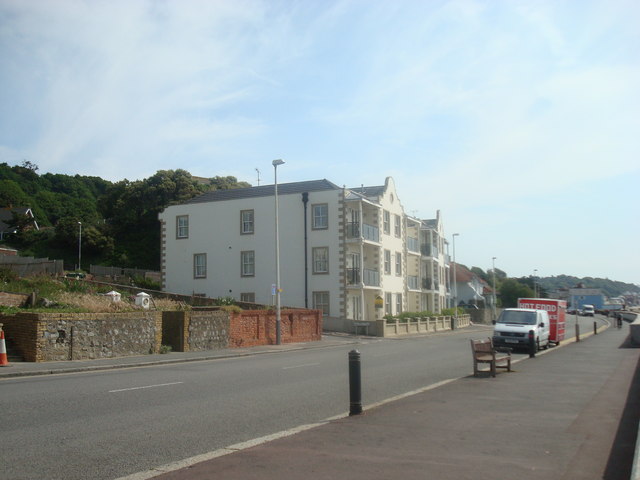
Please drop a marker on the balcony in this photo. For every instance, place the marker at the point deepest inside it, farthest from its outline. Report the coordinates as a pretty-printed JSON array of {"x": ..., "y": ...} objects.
[
  {"x": 429, "y": 250},
  {"x": 370, "y": 278},
  {"x": 427, "y": 283},
  {"x": 413, "y": 282},
  {"x": 368, "y": 232},
  {"x": 413, "y": 244}
]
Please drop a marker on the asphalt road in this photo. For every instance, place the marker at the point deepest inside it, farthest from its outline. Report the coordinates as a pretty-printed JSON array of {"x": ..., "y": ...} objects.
[{"x": 109, "y": 424}]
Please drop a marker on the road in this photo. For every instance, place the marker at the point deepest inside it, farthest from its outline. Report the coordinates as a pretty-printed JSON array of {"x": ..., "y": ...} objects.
[{"x": 109, "y": 424}]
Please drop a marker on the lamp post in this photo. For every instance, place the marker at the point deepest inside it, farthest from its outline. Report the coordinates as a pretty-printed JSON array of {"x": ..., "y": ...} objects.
[
  {"x": 535, "y": 285},
  {"x": 455, "y": 284},
  {"x": 80, "y": 246},
  {"x": 493, "y": 260},
  {"x": 275, "y": 164}
]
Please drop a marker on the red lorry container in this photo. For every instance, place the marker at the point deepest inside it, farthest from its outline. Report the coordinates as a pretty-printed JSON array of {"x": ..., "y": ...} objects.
[{"x": 557, "y": 310}]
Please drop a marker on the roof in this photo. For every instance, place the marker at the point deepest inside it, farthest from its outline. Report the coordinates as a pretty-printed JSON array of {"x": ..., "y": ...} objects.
[
  {"x": 6, "y": 215},
  {"x": 264, "y": 191},
  {"x": 370, "y": 192}
]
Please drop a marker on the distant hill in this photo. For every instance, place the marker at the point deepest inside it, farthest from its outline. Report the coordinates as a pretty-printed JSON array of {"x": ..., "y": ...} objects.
[{"x": 610, "y": 288}]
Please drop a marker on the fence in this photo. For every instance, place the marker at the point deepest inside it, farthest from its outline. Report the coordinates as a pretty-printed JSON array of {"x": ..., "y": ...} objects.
[
  {"x": 115, "y": 272},
  {"x": 27, "y": 266}
]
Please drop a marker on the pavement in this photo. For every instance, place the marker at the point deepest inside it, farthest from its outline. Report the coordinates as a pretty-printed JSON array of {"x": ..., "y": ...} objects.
[{"x": 570, "y": 413}]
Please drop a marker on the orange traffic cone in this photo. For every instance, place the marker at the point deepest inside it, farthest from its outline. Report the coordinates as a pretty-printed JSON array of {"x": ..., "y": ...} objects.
[{"x": 3, "y": 350}]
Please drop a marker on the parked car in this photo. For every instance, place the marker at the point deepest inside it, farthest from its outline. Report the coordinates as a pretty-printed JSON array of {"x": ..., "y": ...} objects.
[{"x": 588, "y": 310}]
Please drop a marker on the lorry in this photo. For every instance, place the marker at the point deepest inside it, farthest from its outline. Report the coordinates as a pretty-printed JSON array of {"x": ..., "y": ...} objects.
[
  {"x": 557, "y": 311},
  {"x": 522, "y": 327}
]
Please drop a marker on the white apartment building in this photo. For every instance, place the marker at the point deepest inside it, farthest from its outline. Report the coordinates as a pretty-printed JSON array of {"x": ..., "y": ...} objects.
[{"x": 342, "y": 250}]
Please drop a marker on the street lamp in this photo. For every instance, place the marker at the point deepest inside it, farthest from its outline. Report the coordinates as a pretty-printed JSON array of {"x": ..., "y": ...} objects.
[
  {"x": 535, "y": 284},
  {"x": 80, "y": 246},
  {"x": 493, "y": 260},
  {"x": 275, "y": 164},
  {"x": 455, "y": 285}
]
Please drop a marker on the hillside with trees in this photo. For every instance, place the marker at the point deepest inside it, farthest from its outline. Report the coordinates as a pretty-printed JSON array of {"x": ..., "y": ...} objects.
[{"x": 117, "y": 218}]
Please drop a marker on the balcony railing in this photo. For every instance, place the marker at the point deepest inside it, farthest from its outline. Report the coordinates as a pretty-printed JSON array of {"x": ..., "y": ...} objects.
[
  {"x": 369, "y": 232},
  {"x": 413, "y": 244},
  {"x": 429, "y": 250},
  {"x": 371, "y": 278},
  {"x": 413, "y": 282},
  {"x": 353, "y": 276},
  {"x": 427, "y": 283}
]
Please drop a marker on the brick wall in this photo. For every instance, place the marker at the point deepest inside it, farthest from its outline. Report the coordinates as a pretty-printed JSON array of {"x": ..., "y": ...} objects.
[
  {"x": 21, "y": 333},
  {"x": 13, "y": 299},
  {"x": 258, "y": 327}
]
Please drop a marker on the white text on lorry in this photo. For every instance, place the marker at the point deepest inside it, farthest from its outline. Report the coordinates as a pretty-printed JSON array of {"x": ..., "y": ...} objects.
[{"x": 539, "y": 306}]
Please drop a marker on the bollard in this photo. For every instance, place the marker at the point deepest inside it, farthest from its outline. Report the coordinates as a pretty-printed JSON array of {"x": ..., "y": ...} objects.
[
  {"x": 619, "y": 321},
  {"x": 532, "y": 344},
  {"x": 355, "y": 384},
  {"x": 595, "y": 328},
  {"x": 577, "y": 332}
]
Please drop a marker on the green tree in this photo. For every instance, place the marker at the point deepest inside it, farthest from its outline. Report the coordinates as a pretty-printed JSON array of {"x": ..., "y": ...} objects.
[
  {"x": 510, "y": 290},
  {"x": 12, "y": 195}
]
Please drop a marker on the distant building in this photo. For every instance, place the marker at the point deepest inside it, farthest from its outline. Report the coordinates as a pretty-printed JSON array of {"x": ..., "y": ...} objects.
[
  {"x": 585, "y": 296},
  {"x": 6, "y": 215},
  {"x": 351, "y": 252}
]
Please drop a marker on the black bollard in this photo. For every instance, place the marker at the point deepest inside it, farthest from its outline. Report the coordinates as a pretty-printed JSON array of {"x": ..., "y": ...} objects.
[
  {"x": 595, "y": 328},
  {"x": 577, "y": 332},
  {"x": 532, "y": 344},
  {"x": 355, "y": 384}
]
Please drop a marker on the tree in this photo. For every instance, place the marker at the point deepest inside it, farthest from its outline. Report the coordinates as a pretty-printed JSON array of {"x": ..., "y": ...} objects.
[
  {"x": 12, "y": 195},
  {"x": 510, "y": 290}
]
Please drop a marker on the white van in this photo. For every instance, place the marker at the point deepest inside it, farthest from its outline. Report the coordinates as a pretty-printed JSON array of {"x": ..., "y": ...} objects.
[
  {"x": 514, "y": 324},
  {"x": 588, "y": 310}
]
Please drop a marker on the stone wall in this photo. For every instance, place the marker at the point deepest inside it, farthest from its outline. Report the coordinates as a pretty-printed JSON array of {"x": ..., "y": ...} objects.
[
  {"x": 207, "y": 329},
  {"x": 43, "y": 337}
]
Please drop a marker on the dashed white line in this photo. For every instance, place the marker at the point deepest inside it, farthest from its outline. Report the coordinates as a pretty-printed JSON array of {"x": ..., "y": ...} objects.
[
  {"x": 146, "y": 386},
  {"x": 301, "y": 366}
]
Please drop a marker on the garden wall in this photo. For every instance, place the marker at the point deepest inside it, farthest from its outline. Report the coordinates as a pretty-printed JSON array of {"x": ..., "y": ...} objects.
[{"x": 42, "y": 337}]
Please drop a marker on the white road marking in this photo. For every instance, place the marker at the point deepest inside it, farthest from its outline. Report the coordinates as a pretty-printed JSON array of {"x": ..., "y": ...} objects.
[
  {"x": 146, "y": 386},
  {"x": 301, "y": 366}
]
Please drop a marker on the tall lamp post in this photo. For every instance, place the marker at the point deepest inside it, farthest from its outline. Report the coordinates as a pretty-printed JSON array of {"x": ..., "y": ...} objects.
[
  {"x": 535, "y": 284},
  {"x": 275, "y": 164},
  {"x": 455, "y": 284},
  {"x": 493, "y": 260},
  {"x": 80, "y": 246}
]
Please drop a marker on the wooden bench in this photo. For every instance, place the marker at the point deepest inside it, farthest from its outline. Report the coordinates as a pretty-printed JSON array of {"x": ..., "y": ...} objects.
[{"x": 484, "y": 352}]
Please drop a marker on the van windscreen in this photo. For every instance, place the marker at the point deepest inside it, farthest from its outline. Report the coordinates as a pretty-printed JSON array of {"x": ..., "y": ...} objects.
[{"x": 520, "y": 318}]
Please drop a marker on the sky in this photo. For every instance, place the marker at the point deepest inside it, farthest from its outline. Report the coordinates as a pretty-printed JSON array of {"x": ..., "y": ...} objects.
[{"x": 518, "y": 120}]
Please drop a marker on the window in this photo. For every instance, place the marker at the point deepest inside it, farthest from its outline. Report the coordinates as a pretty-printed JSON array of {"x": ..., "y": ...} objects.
[
  {"x": 182, "y": 226},
  {"x": 321, "y": 302},
  {"x": 386, "y": 220},
  {"x": 398, "y": 226},
  {"x": 387, "y": 304},
  {"x": 200, "y": 265},
  {"x": 321, "y": 260},
  {"x": 398, "y": 263},
  {"x": 246, "y": 222},
  {"x": 320, "y": 216},
  {"x": 248, "y": 297},
  {"x": 387, "y": 262},
  {"x": 248, "y": 263},
  {"x": 398, "y": 303}
]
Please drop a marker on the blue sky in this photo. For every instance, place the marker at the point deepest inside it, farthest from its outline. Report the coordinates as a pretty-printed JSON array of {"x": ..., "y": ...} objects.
[{"x": 518, "y": 120}]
